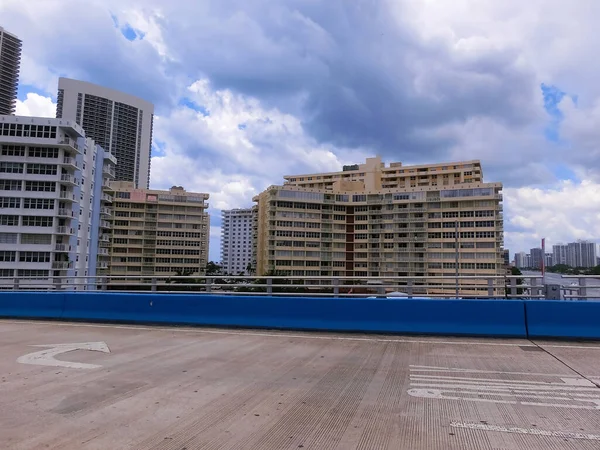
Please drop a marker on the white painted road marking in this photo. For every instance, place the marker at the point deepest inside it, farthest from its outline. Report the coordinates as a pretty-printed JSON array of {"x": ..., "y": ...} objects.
[
  {"x": 533, "y": 431},
  {"x": 46, "y": 357},
  {"x": 566, "y": 392}
]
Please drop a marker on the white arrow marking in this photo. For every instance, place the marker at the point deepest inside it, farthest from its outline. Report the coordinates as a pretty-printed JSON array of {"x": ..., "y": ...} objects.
[{"x": 46, "y": 357}]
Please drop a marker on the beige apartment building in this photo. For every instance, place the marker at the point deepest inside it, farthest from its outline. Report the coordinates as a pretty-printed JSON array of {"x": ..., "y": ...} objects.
[
  {"x": 369, "y": 220},
  {"x": 156, "y": 232}
]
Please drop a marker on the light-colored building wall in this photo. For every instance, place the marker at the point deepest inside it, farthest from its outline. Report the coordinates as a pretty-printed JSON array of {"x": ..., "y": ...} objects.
[
  {"x": 236, "y": 240},
  {"x": 333, "y": 225},
  {"x": 157, "y": 232},
  {"x": 120, "y": 123},
  {"x": 559, "y": 254},
  {"x": 581, "y": 254},
  {"x": 40, "y": 197}
]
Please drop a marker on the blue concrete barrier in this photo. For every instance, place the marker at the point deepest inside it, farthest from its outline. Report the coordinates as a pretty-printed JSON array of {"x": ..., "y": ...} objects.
[
  {"x": 440, "y": 317},
  {"x": 34, "y": 305},
  {"x": 502, "y": 318},
  {"x": 563, "y": 319}
]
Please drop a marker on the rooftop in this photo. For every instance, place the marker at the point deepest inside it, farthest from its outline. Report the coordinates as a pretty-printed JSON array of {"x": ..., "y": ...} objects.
[{"x": 187, "y": 388}]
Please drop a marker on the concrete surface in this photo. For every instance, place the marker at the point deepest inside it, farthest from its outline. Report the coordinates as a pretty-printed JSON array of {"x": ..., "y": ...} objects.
[{"x": 138, "y": 387}]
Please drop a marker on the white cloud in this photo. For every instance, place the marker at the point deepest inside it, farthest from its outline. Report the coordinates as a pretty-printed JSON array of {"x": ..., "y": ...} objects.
[
  {"x": 469, "y": 70},
  {"x": 564, "y": 213},
  {"x": 36, "y": 105}
]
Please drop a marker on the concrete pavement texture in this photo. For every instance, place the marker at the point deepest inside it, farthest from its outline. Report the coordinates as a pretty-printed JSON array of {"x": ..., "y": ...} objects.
[{"x": 94, "y": 386}]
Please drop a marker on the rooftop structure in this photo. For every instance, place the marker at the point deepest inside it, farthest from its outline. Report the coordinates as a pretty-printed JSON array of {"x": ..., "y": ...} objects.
[{"x": 146, "y": 387}]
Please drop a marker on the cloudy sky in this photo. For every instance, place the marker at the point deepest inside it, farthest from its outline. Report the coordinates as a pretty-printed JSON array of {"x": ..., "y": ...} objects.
[{"x": 249, "y": 90}]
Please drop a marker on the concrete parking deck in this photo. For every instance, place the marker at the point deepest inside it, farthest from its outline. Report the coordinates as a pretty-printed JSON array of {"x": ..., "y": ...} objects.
[{"x": 141, "y": 387}]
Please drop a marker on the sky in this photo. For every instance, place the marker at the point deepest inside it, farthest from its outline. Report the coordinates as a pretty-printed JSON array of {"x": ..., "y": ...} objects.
[{"x": 246, "y": 91}]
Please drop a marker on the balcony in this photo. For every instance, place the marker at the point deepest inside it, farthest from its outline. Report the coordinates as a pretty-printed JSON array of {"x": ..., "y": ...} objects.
[
  {"x": 64, "y": 230},
  {"x": 64, "y": 212},
  {"x": 67, "y": 195},
  {"x": 61, "y": 265},
  {"x": 108, "y": 170},
  {"x": 107, "y": 198},
  {"x": 109, "y": 156},
  {"x": 104, "y": 224},
  {"x": 69, "y": 179},
  {"x": 62, "y": 247},
  {"x": 105, "y": 211},
  {"x": 103, "y": 251},
  {"x": 104, "y": 238},
  {"x": 71, "y": 143},
  {"x": 71, "y": 162},
  {"x": 101, "y": 265}
]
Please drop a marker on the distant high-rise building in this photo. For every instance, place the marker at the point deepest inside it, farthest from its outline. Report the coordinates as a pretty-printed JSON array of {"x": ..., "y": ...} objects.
[
  {"x": 120, "y": 123},
  {"x": 548, "y": 260},
  {"x": 156, "y": 232},
  {"x": 50, "y": 199},
  {"x": 559, "y": 254},
  {"x": 536, "y": 258},
  {"x": 236, "y": 240},
  {"x": 581, "y": 254},
  {"x": 10, "y": 61},
  {"x": 521, "y": 260}
]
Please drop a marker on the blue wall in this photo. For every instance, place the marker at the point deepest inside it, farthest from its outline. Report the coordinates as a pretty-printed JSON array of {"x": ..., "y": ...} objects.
[
  {"x": 499, "y": 318},
  {"x": 95, "y": 220}
]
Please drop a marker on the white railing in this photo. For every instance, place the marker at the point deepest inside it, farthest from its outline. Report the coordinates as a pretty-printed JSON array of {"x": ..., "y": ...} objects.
[
  {"x": 67, "y": 195},
  {"x": 70, "y": 142},
  {"x": 68, "y": 178},
  {"x": 402, "y": 287}
]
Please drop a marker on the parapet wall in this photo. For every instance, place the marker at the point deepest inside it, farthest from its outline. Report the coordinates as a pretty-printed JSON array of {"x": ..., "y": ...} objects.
[{"x": 492, "y": 318}]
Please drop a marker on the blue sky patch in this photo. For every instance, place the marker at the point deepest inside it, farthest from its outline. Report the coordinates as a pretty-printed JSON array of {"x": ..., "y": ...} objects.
[
  {"x": 188, "y": 103},
  {"x": 241, "y": 126},
  {"x": 25, "y": 89},
  {"x": 552, "y": 97}
]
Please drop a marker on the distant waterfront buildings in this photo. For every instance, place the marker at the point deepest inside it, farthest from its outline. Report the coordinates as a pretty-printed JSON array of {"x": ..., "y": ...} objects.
[
  {"x": 435, "y": 220},
  {"x": 575, "y": 254},
  {"x": 536, "y": 258},
  {"x": 559, "y": 254},
  {"x": 581, "y": 254},
  {"x": 156, "y": 232},
  {"x": 119, "y": 122},
  {"x": 10, "y": 61},
  {"x": 50, "y": 198},
  {"x": 521, "y": 260},
  {"x": 236, "y": 240}
]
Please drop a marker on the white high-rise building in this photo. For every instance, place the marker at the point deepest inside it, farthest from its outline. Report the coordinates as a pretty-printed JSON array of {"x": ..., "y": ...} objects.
[
  {"x": 521, "y": 260},
  {"x": 236, "y": 240},
  {"x": 51, "y": 180},
  {"x": 559, "y": 254},
  {"x": 581, "y": 254},
  {"x": 120, "y": 123},
  {"x": 10, "y": 62}
]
